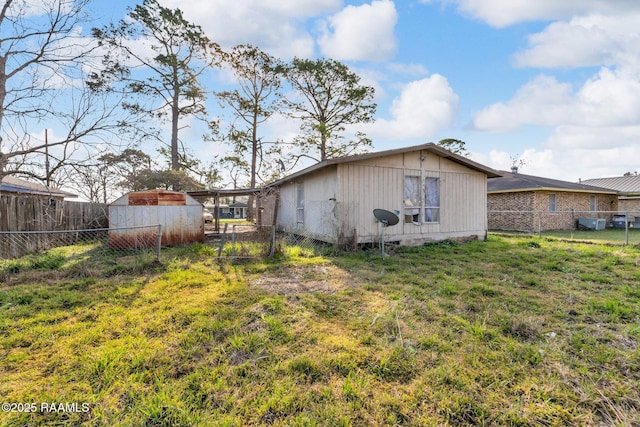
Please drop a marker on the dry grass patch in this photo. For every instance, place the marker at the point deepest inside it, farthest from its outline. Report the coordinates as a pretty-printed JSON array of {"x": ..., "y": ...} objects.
[{"x": 293, "y": 279}]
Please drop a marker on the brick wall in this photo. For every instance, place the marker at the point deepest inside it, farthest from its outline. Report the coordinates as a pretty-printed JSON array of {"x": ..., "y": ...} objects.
[
  {"x": 518, "y": 205},
  {"x": 629, "y": 205},
  {"x": 529, "y": 210}
]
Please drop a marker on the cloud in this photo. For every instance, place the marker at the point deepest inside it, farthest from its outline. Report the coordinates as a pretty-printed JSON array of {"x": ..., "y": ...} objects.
[
  {"x": 361, "y": 32},
  {"x": 422, "y": 109},
  {"x": 408, "y": 69},
  {"x": 590, "y": 138},
  {"x": 277, "y": 26},
  {"x": 542, "y": 101},
  {"x": 502, "y": 13},
  {"x": 593, "y": 124},
  {"x": 568, "y": 164},
  {"x": 608, "y": 99},
  {"x": 584, "y": 41}
]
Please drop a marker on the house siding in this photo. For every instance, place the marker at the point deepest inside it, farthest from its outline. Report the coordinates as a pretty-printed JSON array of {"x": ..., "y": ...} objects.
[
  {"x": 339, "y": 200},
  {"x": 319, "y": 218},
  {"x": 365, "y": 186}
]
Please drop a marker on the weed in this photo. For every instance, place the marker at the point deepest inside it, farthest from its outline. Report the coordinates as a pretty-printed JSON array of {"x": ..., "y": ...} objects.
[
  {"x": 305, "y": 367},
  {"x": 397, "y": 364}
]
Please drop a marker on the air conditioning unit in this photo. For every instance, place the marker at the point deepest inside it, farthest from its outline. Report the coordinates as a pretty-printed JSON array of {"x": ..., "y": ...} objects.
[{"x": 592, "y": 223}]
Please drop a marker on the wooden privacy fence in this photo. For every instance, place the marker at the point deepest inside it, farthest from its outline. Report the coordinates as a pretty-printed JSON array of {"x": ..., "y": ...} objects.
[{"x": 26, "y": 213}]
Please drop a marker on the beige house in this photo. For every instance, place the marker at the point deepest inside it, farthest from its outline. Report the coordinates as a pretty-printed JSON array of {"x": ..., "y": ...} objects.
[
  {"x": 524, "y": 202},
  {"x": 436, "y": 194}
]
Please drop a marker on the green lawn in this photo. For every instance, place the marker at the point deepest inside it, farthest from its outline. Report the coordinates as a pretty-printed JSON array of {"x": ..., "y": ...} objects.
[
  {"x": 609, "y": 235},
  {"x": 512, "y": 331}
]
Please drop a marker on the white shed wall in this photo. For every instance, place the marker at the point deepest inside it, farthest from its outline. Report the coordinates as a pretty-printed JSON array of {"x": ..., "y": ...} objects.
[{"x": 319, "y": 218}]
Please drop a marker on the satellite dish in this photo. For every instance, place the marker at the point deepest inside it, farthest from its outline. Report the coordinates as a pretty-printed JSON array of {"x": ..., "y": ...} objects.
[{"x": 387, "y": 218}]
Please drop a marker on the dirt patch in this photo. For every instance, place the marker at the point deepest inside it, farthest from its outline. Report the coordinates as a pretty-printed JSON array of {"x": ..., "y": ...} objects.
[{"x": 302, "y": 279}]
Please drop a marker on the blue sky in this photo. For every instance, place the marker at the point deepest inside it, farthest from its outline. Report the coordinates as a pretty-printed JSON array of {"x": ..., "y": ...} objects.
[{"x": 552, "y": 84}]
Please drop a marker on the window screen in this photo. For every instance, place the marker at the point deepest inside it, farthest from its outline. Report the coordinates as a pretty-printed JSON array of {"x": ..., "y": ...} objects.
[
  {"x": 432, "y": 199},
  {"x": 300, "y": 204},
  {"x": 552, "y": 202},
  {"x": 412, "y": 199}
]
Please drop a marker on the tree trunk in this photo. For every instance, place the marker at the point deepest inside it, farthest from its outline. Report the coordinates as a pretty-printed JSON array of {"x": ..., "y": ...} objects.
[{"x": 175, "y": 114}]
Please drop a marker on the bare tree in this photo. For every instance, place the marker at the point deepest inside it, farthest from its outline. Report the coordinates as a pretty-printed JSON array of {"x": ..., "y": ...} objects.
[
  {"x": 42, "y": 58},
  {"x": 108, "y": 176}
]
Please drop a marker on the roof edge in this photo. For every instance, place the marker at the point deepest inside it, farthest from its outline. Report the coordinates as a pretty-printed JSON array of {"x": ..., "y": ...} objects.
[
  {"x": 430, "y": 146},
  {"x": 559, "y": 189}
]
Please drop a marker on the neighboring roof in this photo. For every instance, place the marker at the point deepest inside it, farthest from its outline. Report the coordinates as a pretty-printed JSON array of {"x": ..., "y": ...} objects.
[
  {"x": 515, "y": 182},
  {"x": 624, "y": 185},
  {"x": 11, "y": 184},
  {"x": 224, "y": 193},
  {"x": 430, "y": 147}
]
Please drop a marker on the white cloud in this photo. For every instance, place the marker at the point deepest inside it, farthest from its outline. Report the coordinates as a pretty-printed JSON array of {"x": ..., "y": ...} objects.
[
  {"x": 584, "y": 41},
  {"x": 422, "y": 109},
  {"x": 361, "y": 32},
  {"x": 608, "y": 99},
  {"x": 277, "y": 26},
  {"x": 408, "y": 69},
  {"x": 565, "y": 164},
  {"x": 594, "y": 138},
  {"x": 593, "y": 125},
  {"x": 542, "y": 101},
  {"x": 502, "y": 13}
]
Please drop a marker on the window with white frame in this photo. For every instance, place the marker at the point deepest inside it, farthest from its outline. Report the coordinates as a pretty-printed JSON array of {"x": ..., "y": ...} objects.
[
  {"x": 593, "y": 204},
  {"x": 412, "y": 203},
  {"x": 300, "y": 203},
  {"x": 552, "y": 203},
  {"x": 431, "y": 199}
]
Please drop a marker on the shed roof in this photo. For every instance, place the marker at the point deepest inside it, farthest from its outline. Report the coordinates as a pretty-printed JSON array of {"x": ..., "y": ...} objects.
[
  {"x": 155, "y": 198},
  {"x": 224, "y": 193},
  {"x": 624, "y": 185},
  {"x": 12, "y": 184},
  {"x": 430, "y": 147},
  {"x": 511, "y": 182}
]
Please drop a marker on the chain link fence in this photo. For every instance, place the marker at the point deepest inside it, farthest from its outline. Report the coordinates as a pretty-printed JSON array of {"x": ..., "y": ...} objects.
[
  {"x": 613, "y": 226},
  {"x": 247, "y": 241},
  {"x": 112, "y": 243}
]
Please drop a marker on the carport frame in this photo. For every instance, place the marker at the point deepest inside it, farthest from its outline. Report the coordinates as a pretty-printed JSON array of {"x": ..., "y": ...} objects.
[{"x": 216, "y": 194}]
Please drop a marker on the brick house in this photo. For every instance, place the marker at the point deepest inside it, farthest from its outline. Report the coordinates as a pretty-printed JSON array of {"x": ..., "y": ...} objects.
[
  {"x": 628, "y": 188},
  {"x": 524, "y": 202}
]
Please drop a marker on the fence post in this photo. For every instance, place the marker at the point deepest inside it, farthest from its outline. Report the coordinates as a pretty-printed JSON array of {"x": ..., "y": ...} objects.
[
  {"x": 274, "y": 225},
  {"x": 233, "y": 241},
  {"x": 222, "y": 239},
  {"x": 539, "y": 224},
  {"x": 626, "y": 227},
  {"x": 158, "y": 242}
]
